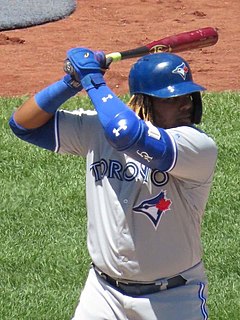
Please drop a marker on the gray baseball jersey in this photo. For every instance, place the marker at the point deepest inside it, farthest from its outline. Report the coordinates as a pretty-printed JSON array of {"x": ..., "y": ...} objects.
[{"x": 143, "y": 224}]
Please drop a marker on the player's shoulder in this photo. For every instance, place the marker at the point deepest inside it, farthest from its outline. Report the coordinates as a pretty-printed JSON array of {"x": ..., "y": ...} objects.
[
  {"x": 78, "y": 115},
  {"x": 193, "y": 135},
  {"x": 79, "y": 112},
  {"x": 79, "y": 119},
  {"x": 191, "y": 131}
]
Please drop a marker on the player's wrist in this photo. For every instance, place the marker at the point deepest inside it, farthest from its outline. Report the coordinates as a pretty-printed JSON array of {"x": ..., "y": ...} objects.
[
  {"x": 52, "y": 97},
  {"x": 72, "y": 83},
  {"x": 93, "y": 80}
]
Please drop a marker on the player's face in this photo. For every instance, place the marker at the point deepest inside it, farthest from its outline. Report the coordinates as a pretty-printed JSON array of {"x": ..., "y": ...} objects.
[{"x": 172, "y": 112}]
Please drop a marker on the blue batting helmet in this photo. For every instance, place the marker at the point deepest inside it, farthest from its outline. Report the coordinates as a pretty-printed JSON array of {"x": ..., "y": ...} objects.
[{"x": 165, "y": 75}]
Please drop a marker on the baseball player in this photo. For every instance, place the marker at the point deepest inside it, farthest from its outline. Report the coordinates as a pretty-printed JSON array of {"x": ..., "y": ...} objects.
[{"x": 149, "y": 170}]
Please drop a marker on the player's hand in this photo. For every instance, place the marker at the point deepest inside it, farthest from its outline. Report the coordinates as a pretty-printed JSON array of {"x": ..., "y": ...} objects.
[{"x": 82, "y": 61}]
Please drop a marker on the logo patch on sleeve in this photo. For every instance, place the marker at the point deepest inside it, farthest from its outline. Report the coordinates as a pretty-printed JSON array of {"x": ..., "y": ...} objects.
[
  {"x": 154, "y": 208},
  {"x": 153, "y": 131}
]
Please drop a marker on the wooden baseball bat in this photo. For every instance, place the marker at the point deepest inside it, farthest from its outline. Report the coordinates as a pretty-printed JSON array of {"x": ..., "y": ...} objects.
[{"x": 184, "y": 41}]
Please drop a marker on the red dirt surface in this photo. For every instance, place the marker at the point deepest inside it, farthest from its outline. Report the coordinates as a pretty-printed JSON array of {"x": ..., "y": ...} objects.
[{"x": 32, "y": 58}]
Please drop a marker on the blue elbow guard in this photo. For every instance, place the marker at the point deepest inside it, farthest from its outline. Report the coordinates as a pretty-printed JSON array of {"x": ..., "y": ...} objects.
[
  {"x": 142, "y": 141},
  {"x": 123, "y": 131},
  {"x": 154, "y": 148}
]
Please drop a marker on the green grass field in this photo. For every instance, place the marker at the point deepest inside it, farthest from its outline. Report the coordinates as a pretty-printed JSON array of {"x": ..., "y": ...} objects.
[{"x": 43, "y": 255}]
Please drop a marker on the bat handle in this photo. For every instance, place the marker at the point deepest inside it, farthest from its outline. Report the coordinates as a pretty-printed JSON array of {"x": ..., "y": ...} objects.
[
  {"x": 113, "y": 57},
  {"x": 109, "y": 60},
  {"x": 133, "y": 53}
]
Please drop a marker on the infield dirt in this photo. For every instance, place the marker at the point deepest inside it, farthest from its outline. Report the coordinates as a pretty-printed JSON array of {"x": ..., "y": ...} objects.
[{"x": 32, "y": 58}]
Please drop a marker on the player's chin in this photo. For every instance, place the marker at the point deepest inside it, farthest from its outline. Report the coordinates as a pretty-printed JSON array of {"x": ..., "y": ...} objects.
[{"x": 184, "y": 121}]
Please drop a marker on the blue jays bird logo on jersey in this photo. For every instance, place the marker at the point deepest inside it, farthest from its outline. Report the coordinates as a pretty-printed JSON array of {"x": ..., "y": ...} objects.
[
  {"x": 155, "y": 207},
  {"x": 182, "y": 70}
]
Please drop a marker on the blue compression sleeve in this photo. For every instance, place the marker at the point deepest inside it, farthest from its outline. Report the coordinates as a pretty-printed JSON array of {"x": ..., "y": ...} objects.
[
  {"x": 146, "y": 143},
  {"x": 43, "y": 136},
  {"x": 52, "y": 97}
]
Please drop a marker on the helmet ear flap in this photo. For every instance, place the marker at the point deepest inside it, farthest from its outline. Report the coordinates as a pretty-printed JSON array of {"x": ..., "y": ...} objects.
[{"x": 197, "y": 107}]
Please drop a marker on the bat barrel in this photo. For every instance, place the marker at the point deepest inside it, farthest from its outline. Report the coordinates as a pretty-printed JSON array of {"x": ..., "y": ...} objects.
[{"x": 185, "y": 41}]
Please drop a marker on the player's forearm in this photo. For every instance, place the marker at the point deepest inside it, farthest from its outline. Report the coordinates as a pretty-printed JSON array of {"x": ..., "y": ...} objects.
[
  {"x": 30, "y": 115},
  {"x": 39, "y": 109}
]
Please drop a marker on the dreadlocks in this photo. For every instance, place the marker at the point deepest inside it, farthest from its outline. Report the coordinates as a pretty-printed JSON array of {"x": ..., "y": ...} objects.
[{"x": 142, "y": 106}]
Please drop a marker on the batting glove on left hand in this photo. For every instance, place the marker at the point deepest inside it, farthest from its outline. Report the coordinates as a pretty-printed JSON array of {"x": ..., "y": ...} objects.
[{"x": 86, "y": 66}]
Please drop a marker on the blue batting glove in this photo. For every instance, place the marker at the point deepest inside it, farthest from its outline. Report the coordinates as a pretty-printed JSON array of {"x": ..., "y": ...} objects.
[{"x": 88, "y": 66}]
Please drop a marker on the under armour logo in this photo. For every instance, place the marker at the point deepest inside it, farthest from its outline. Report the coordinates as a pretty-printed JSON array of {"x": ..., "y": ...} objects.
[
  {"x": 144, "y": 155},
  {"x": 105, "y": 99},
  {"x": 122, "y": 126}
]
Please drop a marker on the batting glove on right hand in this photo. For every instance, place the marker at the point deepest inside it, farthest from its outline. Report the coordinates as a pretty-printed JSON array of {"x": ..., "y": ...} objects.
[{"x": 86, "y": 66}]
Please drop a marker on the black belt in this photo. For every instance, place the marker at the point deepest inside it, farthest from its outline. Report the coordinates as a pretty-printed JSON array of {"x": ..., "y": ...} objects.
[{"x": 138, "y": 289}]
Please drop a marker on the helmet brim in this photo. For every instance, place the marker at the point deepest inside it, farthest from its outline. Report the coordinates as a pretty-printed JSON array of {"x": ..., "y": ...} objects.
[{"x": 179, "y": 89}]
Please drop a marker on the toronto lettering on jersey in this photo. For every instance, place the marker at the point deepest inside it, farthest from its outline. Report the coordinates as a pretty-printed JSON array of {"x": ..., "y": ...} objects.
[{"x": 129, "y": 171}]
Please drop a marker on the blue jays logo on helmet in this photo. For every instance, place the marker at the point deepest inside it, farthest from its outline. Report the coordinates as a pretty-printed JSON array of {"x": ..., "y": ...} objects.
[
  {"x": 155, "y": 207},
  {"x": 182, "y": 70}
]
